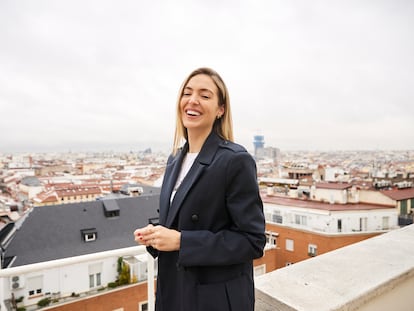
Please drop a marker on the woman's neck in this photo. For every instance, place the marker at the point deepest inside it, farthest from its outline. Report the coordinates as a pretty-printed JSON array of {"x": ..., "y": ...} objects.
[{"x": 196, "y": 140}]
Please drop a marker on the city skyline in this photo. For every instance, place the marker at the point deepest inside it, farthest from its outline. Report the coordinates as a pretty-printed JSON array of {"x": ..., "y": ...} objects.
[{"x": 326, "y": 75}]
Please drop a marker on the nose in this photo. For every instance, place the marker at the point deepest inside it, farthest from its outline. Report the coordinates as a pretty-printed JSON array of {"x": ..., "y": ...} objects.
[{"x": 193, "y": 99}]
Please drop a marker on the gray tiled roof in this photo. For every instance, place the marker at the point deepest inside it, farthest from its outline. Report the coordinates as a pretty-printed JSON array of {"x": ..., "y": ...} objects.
[
  {"x": 54, "y": 232},
  {"x": 31, "y": 181}
]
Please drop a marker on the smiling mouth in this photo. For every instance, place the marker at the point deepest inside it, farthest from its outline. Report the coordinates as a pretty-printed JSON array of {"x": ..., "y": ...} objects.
[{"x": 192, "y": 113}]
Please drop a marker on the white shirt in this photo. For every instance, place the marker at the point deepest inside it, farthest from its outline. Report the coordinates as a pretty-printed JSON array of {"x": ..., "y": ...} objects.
[{"x": 185, "y": 167}]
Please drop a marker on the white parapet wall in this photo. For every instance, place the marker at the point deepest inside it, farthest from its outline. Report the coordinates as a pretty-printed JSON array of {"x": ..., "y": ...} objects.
[
  {"x": 373, "y": 275},
  {"x": 67, "y": 269}
]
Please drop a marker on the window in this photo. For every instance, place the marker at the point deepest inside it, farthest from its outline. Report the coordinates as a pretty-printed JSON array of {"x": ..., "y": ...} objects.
[
  {"x": 111, "y": 208},
  {"x": 142, "y": 270},
  {"x": 300, "y": 220},
  {"x": 95, "y": 271},
  {"x": 304, "y": 220},
  {"x": 35, "y": 292},
  {"x": 403, "y": 207},
  {"x": 271, "y": 238},
  {"x": 112, "y": 214},
  {"x": 277, "y": 219},
  {"x": 89, "y": 235},
  {"x": 143, "y": 306},
  {"x": 312, "y": 250},
  {"x": 363, "y": 223},
  {"x": 290, "y": 245},
  {"x": 385, "y": 223},
  {"x": 339, "y": 225},
  {"x": 94, "y": 280}
]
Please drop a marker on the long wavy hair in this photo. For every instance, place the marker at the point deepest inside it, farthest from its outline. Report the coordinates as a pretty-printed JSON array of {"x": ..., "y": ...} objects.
[{"x": 222, "y": 126}]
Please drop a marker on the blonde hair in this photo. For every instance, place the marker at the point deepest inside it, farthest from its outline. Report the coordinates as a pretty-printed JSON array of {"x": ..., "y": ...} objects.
[{"x": 222, "y": 126}]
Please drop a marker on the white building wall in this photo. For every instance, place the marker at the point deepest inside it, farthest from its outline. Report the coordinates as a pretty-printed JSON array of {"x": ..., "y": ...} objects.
[
  {"x": 372, "y": 220},
  {"x": 375, "y": 197},
  {"x": 66, "y": 280},
  {"x": 327, "y": 221},
  {"x": 30, "y": 191},
  {"x": 334, "y": 174},
  {"x": 352, "y": 195},
  {"x": 72, "y": 279},
  {"x": 330, "y": 195},
  {"x": 64, "y": 276}
]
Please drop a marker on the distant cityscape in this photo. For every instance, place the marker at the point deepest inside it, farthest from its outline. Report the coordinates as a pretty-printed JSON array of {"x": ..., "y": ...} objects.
[
  {"x": 66, "y": 219},
  {"x": 105, "y": 173}
]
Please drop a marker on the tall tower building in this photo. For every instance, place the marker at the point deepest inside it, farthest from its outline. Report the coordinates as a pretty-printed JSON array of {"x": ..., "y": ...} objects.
[{"x": 258, "y": 143}]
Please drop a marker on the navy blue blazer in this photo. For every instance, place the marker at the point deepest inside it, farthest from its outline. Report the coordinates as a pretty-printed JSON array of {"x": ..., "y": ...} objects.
[{"x": 219, "y": 212}]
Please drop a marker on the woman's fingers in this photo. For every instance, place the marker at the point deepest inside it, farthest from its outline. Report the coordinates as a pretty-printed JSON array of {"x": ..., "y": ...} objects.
[
  {"x": 159, "y": 237},
  {"x": 143, "y": 235}
]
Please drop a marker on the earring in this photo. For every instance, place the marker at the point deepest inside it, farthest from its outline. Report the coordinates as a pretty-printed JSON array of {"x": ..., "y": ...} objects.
[{"x": 218, "y": 117}]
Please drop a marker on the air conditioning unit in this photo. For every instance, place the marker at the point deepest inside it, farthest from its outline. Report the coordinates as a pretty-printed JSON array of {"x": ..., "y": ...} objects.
[{"x": 16, "y": 282}]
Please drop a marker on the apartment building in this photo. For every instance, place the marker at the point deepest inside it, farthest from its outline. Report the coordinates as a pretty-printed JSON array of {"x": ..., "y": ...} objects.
[
  {"x": 307, "y": 221},
  {"x": 305, "y": 229},
  {"x": 403, "y": 198},
  {"x": 72, "y": 251},
  {"x": 68, "y": 194}
]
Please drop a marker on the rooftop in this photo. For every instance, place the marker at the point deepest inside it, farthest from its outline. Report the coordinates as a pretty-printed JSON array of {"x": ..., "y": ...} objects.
[
  {"x": 399, "y": 194},
  {"x": 294, "y": 202},
  {"x": 61, "y": 229},
  {"x": 375, "y": 274},
  {"x": 333, "y": 185}
]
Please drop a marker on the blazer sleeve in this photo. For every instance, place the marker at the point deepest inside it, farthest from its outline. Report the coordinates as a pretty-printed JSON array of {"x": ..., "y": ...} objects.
[
  {"x": 154, "y": 252},
  {"x": 245, "y": 238}
]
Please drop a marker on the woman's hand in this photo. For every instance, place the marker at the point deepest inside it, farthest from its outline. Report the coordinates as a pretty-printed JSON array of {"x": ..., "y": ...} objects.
[{"x": 158, "y": 237}]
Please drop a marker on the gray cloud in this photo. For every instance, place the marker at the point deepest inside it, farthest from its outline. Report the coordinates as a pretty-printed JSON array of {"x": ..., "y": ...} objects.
[{"x": 105, "y": 74}]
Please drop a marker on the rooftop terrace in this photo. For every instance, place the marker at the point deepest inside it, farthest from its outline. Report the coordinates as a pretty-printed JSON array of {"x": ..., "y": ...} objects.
[{"x": 372, "y": 275}]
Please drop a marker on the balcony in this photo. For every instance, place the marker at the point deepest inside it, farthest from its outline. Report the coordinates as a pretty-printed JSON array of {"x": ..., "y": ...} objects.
[{"x": 373, "y": 275}]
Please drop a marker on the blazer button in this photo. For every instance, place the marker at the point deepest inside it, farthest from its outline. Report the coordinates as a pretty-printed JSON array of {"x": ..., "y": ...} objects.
[{"x": 194, "y": 218}]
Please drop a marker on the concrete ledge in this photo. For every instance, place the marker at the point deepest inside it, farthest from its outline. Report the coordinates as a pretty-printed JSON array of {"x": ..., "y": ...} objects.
[{"x": 375, "y": 274}]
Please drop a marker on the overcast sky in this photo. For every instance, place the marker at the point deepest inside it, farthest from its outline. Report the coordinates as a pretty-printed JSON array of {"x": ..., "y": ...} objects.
[{"x": 104, "y": 75}]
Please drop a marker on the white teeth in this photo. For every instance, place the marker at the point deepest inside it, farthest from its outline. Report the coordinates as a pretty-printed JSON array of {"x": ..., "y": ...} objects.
[{"x": 193, "y": 113}]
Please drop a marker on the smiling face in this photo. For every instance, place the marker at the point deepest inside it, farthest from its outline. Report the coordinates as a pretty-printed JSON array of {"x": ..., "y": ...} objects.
[{"x": 199, "y": 104}]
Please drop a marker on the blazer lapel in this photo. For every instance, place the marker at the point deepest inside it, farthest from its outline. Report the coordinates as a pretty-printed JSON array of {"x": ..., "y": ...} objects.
[
  {"x": 204, "y": 159},
  {"x": 170, "y": 177},
  {"x": 182, "y": 191}
]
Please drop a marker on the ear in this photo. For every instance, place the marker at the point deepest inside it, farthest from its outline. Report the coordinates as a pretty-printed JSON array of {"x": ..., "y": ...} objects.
[{"x": 220, "y": 111}]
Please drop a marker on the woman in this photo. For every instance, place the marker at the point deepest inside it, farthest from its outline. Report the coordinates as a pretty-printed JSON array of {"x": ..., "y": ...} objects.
[{"x": 211, "y": 224}]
